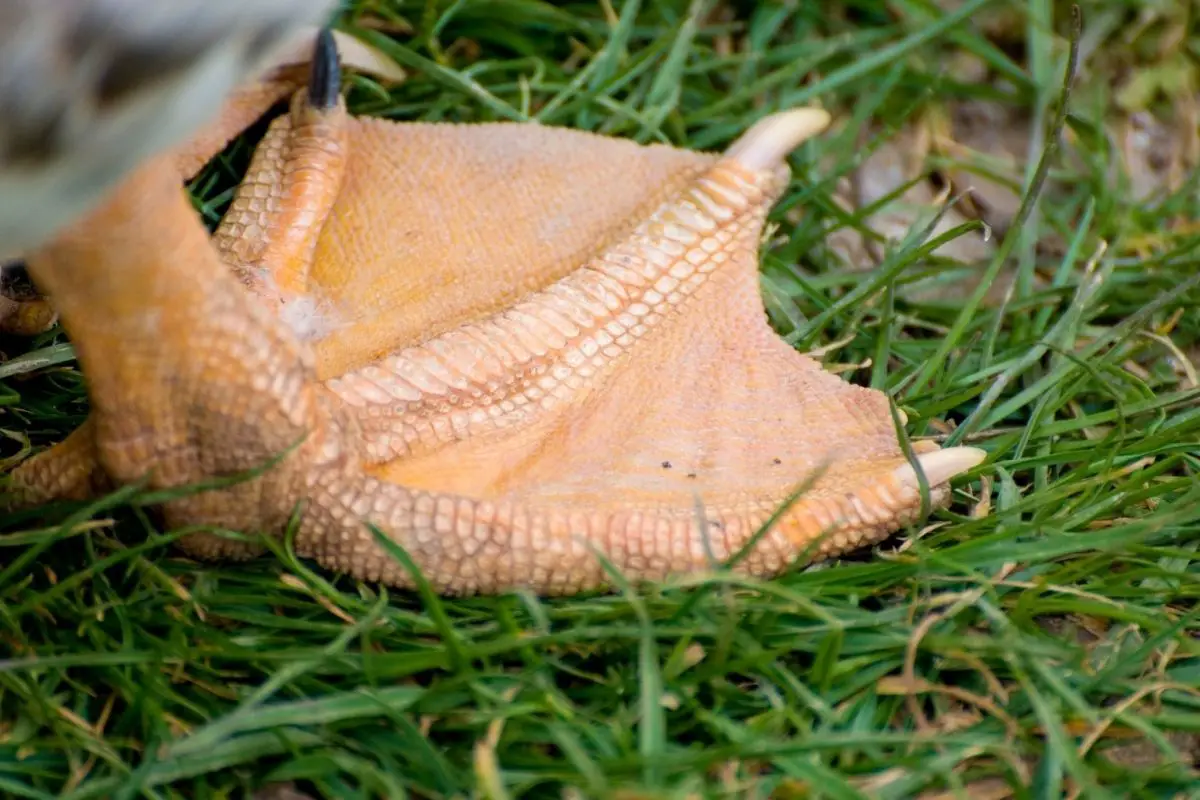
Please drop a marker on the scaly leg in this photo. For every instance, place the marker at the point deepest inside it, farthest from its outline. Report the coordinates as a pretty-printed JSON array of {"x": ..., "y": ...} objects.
[
  {"x": 69, "y": 469},
  {"x": 163, "y": 332}
]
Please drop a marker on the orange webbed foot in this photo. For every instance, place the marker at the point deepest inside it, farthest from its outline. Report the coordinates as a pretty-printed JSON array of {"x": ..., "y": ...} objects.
[{"x": 534, "y": 343}]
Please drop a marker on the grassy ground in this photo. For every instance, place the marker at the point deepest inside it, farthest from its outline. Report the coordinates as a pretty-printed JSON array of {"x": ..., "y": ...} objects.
[{"x": 1039, "y": 639}]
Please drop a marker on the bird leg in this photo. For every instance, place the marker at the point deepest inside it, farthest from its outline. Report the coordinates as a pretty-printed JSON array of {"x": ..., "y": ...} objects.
[{"x": 163, "y": 332}]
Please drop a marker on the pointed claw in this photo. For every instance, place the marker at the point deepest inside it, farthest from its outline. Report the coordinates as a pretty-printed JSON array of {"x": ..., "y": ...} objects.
[
  {"x": 769, "y": 141},
  {"x": 940, "y": 466},
  {"x": 325, "y": 81}
]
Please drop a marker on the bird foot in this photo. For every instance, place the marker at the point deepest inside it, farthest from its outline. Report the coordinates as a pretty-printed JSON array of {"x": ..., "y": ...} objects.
[{"x": 505, "y": 346}]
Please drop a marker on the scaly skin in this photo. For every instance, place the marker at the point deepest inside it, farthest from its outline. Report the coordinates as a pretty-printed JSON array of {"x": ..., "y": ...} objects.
[{"x": 503, "y": 345}]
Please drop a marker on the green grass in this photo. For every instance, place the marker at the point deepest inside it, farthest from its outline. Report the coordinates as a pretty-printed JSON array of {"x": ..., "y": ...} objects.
[{"x": 1045, "y": 618}]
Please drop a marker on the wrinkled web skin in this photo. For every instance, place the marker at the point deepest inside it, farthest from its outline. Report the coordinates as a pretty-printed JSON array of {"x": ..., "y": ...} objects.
[{"x": 506, "y": 346}]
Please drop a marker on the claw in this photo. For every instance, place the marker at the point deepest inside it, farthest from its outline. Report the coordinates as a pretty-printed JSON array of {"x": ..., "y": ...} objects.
[
  {"x": 768, "y": 142},
  {"x": 325, "y": 81},
  {"x": 940, "y": 466}
]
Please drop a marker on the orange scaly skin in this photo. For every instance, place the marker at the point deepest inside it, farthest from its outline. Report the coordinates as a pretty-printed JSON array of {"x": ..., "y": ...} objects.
[{"x": 504, "y": 345}]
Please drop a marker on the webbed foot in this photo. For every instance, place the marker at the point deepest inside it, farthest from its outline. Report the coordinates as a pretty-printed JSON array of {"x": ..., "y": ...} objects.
[{"x": 534, "y": 342}]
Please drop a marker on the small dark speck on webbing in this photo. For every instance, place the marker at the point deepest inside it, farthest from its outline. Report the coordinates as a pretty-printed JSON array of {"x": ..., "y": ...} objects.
[
  {"x": 776, "y": 461},
  {"x": 666, "y": 465},
  {"x": 691, "y": 474}
]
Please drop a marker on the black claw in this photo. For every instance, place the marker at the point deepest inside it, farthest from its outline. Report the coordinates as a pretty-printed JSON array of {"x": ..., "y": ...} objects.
[{"x": 325, "y": 81}]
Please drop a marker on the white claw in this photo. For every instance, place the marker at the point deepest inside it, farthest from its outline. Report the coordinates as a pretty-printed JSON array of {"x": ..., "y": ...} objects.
[
  {"x": 940, "y": 466},
  {"x": 770, "y": 139}
]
